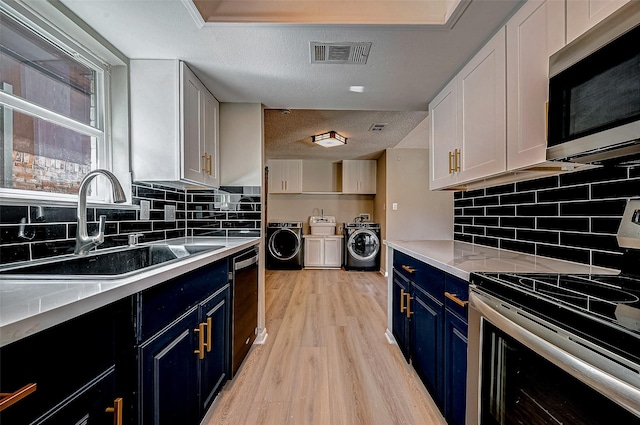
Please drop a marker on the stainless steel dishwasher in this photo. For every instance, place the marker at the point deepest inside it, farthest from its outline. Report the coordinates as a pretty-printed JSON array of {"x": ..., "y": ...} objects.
[{"x": 244, "y": 320}]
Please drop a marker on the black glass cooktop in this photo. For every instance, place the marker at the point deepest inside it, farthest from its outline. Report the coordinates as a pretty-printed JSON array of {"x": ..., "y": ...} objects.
[{"x": 602, "y": 308}]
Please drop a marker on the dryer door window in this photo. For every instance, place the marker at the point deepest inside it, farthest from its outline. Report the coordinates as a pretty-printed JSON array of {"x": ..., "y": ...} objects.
[
  {"x": 284, "y": 244},
  {"x": 363, "y": 245}
]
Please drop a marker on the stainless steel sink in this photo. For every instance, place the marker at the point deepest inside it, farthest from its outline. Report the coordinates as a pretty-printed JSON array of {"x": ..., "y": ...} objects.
[{"x": 107, "y": 264}]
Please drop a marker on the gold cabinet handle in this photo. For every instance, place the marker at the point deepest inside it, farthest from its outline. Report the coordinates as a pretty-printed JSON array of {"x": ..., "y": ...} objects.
[
  {"x": 457, "y": 153},
  {"x": 116, "y": 410},
  {"x": 455, "y": 299},
  {"x": 208, "y": 343},
  {"x": 7, "y": 399},
  {"x": 209, "y": 159},
  {"x": 409, "y": 298},
  {"x": 408, "y": 269},
  {"x": 403, "y": 307},
  {"x": 201, "y": 343},
  {"x": 204, "y": 161},
  {"x": 451, "y": 168}
]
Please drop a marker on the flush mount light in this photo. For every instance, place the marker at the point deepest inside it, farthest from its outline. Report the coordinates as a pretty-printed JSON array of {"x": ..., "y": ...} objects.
[
  {"x": 329, "y": 139},
  {"x": 356, "y": 89}
]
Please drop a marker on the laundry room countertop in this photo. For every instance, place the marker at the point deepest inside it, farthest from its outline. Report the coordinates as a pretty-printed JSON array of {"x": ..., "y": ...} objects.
[{"x": 462, "y": 258}]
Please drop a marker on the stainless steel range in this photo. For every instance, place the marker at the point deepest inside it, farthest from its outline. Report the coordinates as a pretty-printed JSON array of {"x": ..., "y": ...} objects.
[{"x": 557, "y": 348}]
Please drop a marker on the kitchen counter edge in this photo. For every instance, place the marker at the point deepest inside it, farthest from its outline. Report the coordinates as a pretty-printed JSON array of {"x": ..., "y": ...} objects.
[
  {"x": 461, "y": 258},
  {"x": 73, "y": 298}
]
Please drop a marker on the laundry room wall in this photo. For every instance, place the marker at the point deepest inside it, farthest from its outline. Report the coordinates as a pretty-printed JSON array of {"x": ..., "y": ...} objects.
[
  {"x": 285, "y": 207},
  {"x": 322, "y": 187}
]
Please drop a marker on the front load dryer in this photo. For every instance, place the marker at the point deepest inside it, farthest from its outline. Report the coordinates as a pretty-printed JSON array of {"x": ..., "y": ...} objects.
[
  {"x": 362, "y": 246},
  {"x": 284, "y": 246}
]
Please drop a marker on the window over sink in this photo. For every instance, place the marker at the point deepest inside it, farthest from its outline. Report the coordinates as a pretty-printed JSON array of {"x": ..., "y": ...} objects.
[{"x": 53, "y": 103}]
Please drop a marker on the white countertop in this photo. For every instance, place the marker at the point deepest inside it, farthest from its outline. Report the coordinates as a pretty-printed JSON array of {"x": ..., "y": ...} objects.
[
  {"x": 462, "y": 258},
  {"x": 323, "y": 236},
  {"x": 29, "y": 306}
]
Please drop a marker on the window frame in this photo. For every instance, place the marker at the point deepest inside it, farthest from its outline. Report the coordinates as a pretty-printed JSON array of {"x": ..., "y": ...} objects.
[{"x": 101, "y": 132}]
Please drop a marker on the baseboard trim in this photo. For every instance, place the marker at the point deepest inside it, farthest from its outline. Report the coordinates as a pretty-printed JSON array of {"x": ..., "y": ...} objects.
[
  {"x": 262, "y": 337},
  {"x": 390, "y": 338}
]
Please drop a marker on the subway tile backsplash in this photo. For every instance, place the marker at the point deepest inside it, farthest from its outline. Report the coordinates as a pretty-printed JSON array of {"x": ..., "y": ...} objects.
[
  {"x": 572, "y": 217},
  {"x": 30, "y": 232}
]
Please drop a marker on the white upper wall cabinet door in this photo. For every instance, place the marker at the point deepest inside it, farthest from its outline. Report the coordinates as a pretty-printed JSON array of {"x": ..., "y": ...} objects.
[
  {"x": 359, "y": 176},
  {"x": 200, "y": 130},
  {"x": 211, "y": 140},
  {"x": 481, "y": 106},
  {"x": 584, "y": 14},
  {"x": 443, "y": 140},
  {"x": 192, "y": 115},
  {"x": 534, "y": 33},
  {"x": 285, "y": 176},
  {"x": 174, "y": 124}
]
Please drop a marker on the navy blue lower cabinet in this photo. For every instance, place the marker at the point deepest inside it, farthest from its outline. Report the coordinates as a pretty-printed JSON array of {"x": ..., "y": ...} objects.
[
  {"x": 455, "y": 367},
  {"x": 183, "y": 361},
  {"x": 400, "y": 318},
  {"x": 89, "y": 405},
  {"x": 74, "y": 366},
  {"x": 427, "y": 341},
  {"x": 169, "y": 371},
  {"x": 214, "y": 367},
  {"x": 429, "y": 318}
]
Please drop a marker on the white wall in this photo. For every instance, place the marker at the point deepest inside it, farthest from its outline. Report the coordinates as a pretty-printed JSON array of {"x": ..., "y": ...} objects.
[
  {"x": 421, "y": 214},
  {"x": 241, "y": 140},
  {"x": 380, "y": 213}
]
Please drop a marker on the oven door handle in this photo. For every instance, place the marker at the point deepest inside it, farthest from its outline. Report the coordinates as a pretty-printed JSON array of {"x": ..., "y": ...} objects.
[{"x": 556, "y": 348}]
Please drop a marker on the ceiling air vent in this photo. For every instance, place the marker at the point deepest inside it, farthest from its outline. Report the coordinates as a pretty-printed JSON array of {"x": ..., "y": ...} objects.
[
  {"x": 340, "y": 53},
  {"x": 378, "y": 127}
]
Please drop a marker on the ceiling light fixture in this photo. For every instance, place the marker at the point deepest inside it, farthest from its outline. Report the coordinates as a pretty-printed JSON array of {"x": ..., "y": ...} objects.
[
  {"x": 356, "y": 89},
  {"x": 329, "y": 140}
]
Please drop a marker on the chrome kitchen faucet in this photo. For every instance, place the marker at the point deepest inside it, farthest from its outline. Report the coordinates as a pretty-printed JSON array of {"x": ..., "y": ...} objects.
[{"x": 84, "y": 242}]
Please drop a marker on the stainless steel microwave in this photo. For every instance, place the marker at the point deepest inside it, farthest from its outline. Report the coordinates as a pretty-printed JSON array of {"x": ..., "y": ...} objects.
[{"x": 594, "y": 93}]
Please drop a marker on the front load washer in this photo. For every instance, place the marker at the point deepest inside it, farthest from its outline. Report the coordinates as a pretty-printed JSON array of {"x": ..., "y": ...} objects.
[
  {"x": 284, "y": 246},
  {"x": 362, "y": 246}
]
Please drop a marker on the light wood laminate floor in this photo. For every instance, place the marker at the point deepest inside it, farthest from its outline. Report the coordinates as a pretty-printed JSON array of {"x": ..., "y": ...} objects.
[{"x": 326, "y": 359}]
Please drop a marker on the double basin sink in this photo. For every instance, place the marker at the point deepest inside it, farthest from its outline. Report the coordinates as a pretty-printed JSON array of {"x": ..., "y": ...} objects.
[{"x": 107, "y": 264}]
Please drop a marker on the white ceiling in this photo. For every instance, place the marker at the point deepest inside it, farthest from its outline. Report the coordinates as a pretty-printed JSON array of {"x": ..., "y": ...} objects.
[{"x": 270, "y": 63}]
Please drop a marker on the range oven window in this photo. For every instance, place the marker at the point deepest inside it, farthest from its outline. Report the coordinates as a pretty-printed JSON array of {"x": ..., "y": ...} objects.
[
  {"x": 600, "y": 92},
  {"x": 521, "y": 387}
]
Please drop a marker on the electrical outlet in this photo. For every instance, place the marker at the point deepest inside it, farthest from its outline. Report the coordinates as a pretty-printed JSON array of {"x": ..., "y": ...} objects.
[
  {"x": 394, "y": 206},
  {"x": 365, "y": 216},
  {"x": 169, "y": 213},
  {"x": 145, "y": 207}
]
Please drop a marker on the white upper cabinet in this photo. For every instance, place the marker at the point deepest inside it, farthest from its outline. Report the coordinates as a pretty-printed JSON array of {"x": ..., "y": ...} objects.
[
  {"x": 584, "y": 14},
  {"x": 200, "y": 130},
  {"x": 359, "y": 176},
  {"x": 285, "y": 176},
  {"x": 468, "y": 120},
  {"x": 174, "y": 124},
  {"x": 534, "y": 33},
  {"x": 481, "y": 123},
  {"x": 443, "y": 140}
]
